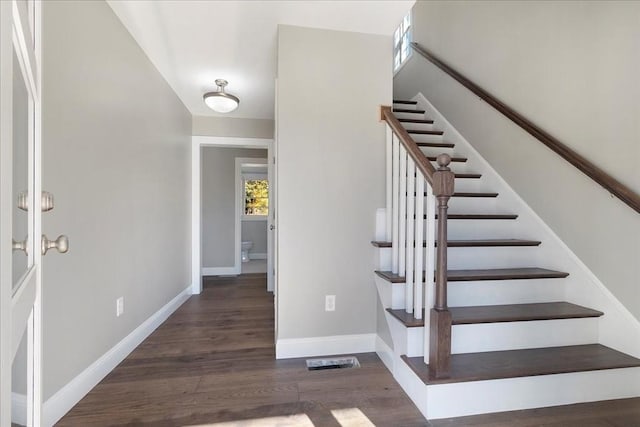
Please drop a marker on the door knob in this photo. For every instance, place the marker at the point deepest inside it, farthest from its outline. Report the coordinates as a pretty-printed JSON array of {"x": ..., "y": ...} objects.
[
  {"x": 272, "y": 227},
  {"x": 61, "y": 244},
  {"x": 20, "y": 246}
]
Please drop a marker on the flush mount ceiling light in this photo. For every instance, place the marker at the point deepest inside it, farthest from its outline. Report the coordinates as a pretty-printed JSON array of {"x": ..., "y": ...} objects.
[{"x": 220, "y": 101}]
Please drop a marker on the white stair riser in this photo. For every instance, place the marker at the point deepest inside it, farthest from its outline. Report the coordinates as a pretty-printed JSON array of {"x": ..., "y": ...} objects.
[
  {"x": 405, "y": 106},
  {"x": 406, "y": 341},
  {"x": 418, "y": 126},
  {"x": 518, "y": 335},
  {"x": 505, "y": 292},
  {"x": 493, "y": 257},
  {"x": 409, "y": 115},
  {"x": 480, "y": 257},
  {"x": 483, "y": 337},
  {"x": 391, "y": 294},
  {"x": 481, "y": 397}
]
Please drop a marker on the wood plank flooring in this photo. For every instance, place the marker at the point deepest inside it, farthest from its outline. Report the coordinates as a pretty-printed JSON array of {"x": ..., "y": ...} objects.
[{"x": 213, "y": 361}]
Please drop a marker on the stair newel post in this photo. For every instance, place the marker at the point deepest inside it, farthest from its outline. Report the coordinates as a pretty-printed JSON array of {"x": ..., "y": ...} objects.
[{"x": 440, "y": 332}]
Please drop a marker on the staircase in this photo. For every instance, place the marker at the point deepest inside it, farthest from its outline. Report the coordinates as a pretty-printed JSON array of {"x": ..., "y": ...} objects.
[{"x": 529, "y": 323}]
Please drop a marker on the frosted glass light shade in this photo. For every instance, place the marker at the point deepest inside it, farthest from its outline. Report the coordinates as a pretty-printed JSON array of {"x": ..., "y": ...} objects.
[{"x": 221, "y": 101}]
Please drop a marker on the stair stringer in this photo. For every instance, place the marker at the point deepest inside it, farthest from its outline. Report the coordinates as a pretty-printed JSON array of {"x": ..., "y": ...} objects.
[{"x": 618, "y": 328}]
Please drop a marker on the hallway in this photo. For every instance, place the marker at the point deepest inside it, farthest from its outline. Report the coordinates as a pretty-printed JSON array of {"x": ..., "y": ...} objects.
[{"x": 213, "y": 361}]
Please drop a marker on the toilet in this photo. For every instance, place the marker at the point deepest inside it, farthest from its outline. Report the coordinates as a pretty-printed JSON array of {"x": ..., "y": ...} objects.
[{"x": 246, "y": 247}]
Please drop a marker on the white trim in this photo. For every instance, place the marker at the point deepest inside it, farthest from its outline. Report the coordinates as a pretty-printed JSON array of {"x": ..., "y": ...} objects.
[
  {"x": 260, "y": 255},
  {"x": 196, "y": 200},
  {"x": 19, "y": 408},
  {"x": 219, "y": 271},
  {"x": 324, "y": 346},
  {"x": 60, "y": 403},
  {"x": 385, "y": 353},
  {"x": 239, "y": 201},
  {"x": 224, "y": 141},
  {"x": 197, "y": 142}
]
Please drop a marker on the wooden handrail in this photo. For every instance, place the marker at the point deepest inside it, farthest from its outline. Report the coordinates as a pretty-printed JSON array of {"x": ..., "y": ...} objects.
[
  {"x": 441, "y": 181},
  {"x": 422, "y": 163},
  {"x": 611, "y": 184}
]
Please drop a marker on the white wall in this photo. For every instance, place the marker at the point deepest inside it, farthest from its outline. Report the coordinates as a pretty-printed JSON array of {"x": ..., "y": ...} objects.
[
  {"x": 255, "y": 231},
  {"x": 330, "y": 174},
  {"x": 218, "y": 203},
  {"x": 231, "y": 126},
  {"x": 116, "y": 156},
  {"x": 570, "y": 67}
]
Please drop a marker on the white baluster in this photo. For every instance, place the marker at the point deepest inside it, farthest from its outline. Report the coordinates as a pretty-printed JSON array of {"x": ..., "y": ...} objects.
[
  {"x": 411, "y": 238},
  {"x": 389, "y": 182},
  {"x": 430, "y": 263},
  {"x": 395, "y": 235},
  {"x": 419, "y": 253},
  {"x": 402, "y": 211}
]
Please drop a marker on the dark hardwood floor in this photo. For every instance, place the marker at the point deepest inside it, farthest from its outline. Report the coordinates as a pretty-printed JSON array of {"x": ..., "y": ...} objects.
[{"x": 212, "y": 363}]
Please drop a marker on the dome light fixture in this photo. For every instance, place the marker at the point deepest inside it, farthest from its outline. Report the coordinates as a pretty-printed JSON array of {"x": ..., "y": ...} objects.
[{"x": 221, "y": 101}]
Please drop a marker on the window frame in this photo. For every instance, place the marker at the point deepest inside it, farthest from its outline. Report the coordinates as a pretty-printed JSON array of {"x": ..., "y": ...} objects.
[
  {"x": 249, "y": 176},
  {"x": 402, "y": 37}
]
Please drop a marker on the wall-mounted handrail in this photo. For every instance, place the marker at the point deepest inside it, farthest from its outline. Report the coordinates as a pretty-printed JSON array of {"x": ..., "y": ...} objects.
[{"x": 601, "y": 177}]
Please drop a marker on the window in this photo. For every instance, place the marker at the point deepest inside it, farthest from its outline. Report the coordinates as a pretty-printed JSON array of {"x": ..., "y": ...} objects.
[
  {"x": 256, "y": 197},
  {"x": 401, "y": 42}
]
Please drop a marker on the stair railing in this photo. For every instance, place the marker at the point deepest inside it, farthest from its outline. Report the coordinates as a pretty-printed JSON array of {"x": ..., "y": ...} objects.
[
  {"x": 615, "y": 187},
  {"x": 414, "y": 191}
]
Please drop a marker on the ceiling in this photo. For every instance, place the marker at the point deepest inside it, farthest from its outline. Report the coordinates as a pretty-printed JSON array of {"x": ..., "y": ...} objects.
[{"x": 192, "y": 43}]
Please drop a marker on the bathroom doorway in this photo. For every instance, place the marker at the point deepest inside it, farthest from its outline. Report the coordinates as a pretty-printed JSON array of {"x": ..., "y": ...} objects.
[
  {"x": 233, "y": 183},
  {"x": 252, "y": 201}
]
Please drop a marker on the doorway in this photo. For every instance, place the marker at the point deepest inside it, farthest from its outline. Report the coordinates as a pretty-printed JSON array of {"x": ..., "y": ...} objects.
[{"x": 223, "y": 169}]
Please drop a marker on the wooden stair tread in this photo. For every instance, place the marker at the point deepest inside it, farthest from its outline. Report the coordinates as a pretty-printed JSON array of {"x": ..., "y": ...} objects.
[
  {"x": 504, "y": 274},
  {"x": 494, "y": 365},
  {"x": 474, "y": 194},
  {"x": 481, "y": 216},
  {"x": 422, "y": 121},
  {"x": 436, "y": 144},
  {"x": 453, "y": 159},
  {"x": 407, "y": 110},
  {"x": 468, "y": 194},
  {"x": 399, "y": 101},
  {"x": 468, "y": 175},
  {"x": 488, "y": 274},
  {"x": 425, "y": 132},
  {"x": 520, "y": 313},
  {"x": 504, "y": 313},
  {"x": 472, "y": 243}
]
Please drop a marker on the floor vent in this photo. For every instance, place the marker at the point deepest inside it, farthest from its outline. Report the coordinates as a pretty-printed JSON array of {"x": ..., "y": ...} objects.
[{"x": 335, "y": 363}]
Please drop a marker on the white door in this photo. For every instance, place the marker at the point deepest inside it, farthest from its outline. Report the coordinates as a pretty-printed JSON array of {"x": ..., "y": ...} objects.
[{"x": 20, "y": 231}]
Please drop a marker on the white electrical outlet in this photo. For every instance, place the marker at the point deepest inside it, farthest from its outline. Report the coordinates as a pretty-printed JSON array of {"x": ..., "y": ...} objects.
[
  {"x": 330, "y": 303},
  {"x": 119, "y": 306}
]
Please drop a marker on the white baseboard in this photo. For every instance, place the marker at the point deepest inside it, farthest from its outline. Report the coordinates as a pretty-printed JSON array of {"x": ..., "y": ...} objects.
[
  {"x": 385, "y": 353},
  {"x": 324, "y": 346},
  {"x": 220, "y": 271},
  {"x": 60, "y": 403},
  {"x": 19, "y": 408},
  {"x": 257, "y": 255}
]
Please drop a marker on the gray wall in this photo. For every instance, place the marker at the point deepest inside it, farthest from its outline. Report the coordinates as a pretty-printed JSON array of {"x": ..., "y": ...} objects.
[
  {"x": 256, "y": 231},
  {"x": 116, "y": 143},
  {"x": 218, "y": 203},
  {"x": 330, "y": 178},
  {"x": 571, "y": 68},
  {"x": 231, "y": 126}
]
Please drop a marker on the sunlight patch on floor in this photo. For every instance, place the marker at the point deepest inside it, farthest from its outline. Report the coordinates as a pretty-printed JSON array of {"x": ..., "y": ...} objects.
[
  {"x": 298, "y": 420},
  {"x": 352, "y": 417}
]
